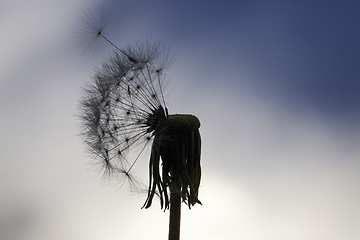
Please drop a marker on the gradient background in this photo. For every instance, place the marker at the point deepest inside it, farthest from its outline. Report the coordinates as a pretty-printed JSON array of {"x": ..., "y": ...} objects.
[{"x": 276, "y": 85}]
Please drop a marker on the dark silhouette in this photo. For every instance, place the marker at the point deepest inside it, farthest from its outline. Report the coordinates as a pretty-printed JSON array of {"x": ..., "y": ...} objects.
[{"x": 124, "y": 107}]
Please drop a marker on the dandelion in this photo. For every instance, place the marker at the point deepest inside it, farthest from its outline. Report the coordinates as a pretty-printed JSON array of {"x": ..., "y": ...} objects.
[{"x": 125, "y": 107}]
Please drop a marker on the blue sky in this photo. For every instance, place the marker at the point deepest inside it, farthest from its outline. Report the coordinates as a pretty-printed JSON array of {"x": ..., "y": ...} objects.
[
  {"x": 303, "y": 48},
  {"x": 274, "y": 84}
]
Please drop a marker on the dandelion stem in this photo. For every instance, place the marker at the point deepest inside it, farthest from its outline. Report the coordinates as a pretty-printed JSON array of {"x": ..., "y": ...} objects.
[{"x": 175, "y": 211}]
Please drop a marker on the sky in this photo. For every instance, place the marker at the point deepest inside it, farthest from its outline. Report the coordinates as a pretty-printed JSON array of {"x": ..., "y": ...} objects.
[{"x": 275, "y": 85}]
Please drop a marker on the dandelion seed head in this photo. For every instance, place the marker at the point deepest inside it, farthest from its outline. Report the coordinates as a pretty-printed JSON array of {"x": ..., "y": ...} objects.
[
  {"x": 124, "y": 109},
  {"x": 121, "y": 108}
]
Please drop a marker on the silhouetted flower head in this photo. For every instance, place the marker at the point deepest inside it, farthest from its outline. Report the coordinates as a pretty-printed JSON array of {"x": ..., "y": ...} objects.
[{"x": 124, "y": 107}]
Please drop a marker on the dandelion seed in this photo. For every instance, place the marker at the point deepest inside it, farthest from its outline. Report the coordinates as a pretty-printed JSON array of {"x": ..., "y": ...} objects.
[{"x": 93, "y": 25}]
